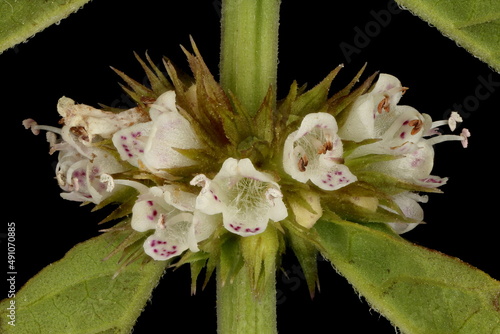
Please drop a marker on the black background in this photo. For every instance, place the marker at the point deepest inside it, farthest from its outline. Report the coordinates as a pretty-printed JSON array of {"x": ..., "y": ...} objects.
[{"x": 73, "y": 58}]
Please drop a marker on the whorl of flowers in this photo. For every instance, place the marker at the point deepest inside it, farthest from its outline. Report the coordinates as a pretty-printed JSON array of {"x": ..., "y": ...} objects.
[{"x": 194, "y": 173}]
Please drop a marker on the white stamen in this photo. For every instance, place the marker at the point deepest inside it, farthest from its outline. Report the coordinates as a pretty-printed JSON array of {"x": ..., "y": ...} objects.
[
  {"x": 134, "y": 184},
  {"x": 451, "y": 122},
  {"x": 199, "y": 180},
  {"x": 31, "y": 124},
  {"x": 161, "y": 222},
  {"x": 465, "y": 134},
  {"x": 454, "y": 119},
  {"x": 51, "y": 139},
  {"x": 462, "y": 137},
  {"x": 76, "y": 185}
]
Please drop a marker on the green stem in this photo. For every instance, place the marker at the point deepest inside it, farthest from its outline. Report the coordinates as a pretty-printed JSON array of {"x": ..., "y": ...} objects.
[
  {"x": 248, "y": 67},
  {"x": 240, "y": 310},
  {"x": 249, "y": 49}
]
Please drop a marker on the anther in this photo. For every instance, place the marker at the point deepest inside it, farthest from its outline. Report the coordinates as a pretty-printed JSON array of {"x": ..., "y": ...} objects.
[
  {"x": 80, "y": 132},
  {"x": 383, "y": 105},
  {"x": 416, "y": 124},
  {"x": 161, "y": 222},
  {"x": 327, "y": 146},
  {"x": 303, "y": 162}
]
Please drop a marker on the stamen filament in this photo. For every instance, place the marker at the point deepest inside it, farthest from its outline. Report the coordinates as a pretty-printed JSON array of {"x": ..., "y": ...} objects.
[
  {"x": 442, "y": 138},
  {"x": 134, "y": 184}
]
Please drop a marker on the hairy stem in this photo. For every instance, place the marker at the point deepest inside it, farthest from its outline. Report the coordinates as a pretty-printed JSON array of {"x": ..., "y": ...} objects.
[
  {"x": 242, "y": 310},
  {"x": 249, "y": 49}
]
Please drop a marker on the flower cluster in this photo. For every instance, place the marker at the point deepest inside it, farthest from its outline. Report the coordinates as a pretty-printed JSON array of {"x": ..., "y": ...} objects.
[{"x": 194, "y": 168}]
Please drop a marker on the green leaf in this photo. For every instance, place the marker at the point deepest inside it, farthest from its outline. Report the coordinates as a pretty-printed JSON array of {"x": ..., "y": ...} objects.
[
  {"x": 21, "y": 19},
  {"x": 474, "y": 24},
  {"x": 80, "y": 295},
  {"x": 306, "y": 253},
  {"x": 417, "y": 289}
]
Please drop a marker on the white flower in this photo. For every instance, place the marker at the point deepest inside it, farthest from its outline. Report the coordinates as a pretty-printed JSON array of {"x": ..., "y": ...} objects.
[
  {"x": 87, "y": 122},
  {"x": 170, "y": 212},
  {"x": 152, "y": 145},
  {"x": 368, "y": 112},
  {"x": 402, "y": 131},
  {"x": 451, "y": 122},
  {"x": 83, "y": 172},
  {"x": 85, "y": 179},
  {"x": 399, "y": 130},
  {"x": 247, "y": 198},
  {"x": 414, "y": 167},
  {"x": 314, "y": 152}
]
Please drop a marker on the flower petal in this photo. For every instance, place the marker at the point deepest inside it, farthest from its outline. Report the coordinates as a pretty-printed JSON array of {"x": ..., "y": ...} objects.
[
  {"x": 209, "y": 199},
  {"x": 413, "y": 166},
  {"x": 165, "y": 103},
  {"x": 314, "y": 152},
  {"x": 169, "y": 131},
  {"x": 246, "y": 197},
  {"x": 247, "y": 223},
  {"x": 131, "y": 142},
  {"x": 171, "y": 239},
  {"x": 293, "y": 159},
  {"x": 91, "y": 122},
  {"x": 407, "y": 127},
  {"x": 158, "y": 246},
  {"x": 204, "y": 225},
  {"x": 145, "y": 214},
  {"x": 359, "y": 124},
  {"x": 277, "y": 208},
  {"x": 333, "y": 178},
  {"x": 407, "y": 202},
  {"x": 179, "y": 199}
]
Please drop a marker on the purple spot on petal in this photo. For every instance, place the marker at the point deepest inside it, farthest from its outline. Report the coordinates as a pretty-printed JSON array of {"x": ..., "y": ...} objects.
[
  {"x": 236, "y": 228},
  {"x": 255, "y": 230},
  {"x": 416, "y": 162}
]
